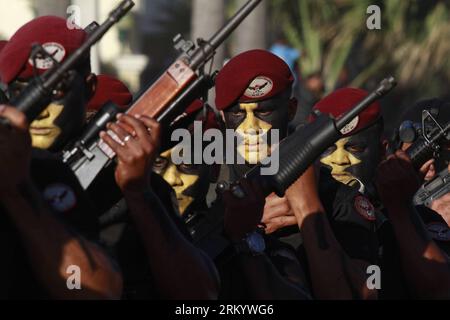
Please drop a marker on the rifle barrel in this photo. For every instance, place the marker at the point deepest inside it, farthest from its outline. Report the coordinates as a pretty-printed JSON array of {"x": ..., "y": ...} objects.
[
  {"x": 118, "y": 13},
  {"x": 202, "y": 54}
]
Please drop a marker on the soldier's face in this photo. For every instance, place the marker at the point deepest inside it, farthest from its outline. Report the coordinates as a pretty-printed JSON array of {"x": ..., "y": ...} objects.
[
  {"x": 44, "y": 132},
  {"x": 354, "y": 158},
  {"x": 190, "y": 182},
  {"x": 254, "y": 121},
  {"x": 61, "y": 120}
]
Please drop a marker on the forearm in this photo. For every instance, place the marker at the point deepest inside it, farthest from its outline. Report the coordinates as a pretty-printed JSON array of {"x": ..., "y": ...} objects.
[
  {"x": 426, "y": 267},
  {"x": 347, "y": 280},
  {"x": 265, "y": 282},
  {"x": 52, "y": 249},
  {"x": 183, "y": 271}
]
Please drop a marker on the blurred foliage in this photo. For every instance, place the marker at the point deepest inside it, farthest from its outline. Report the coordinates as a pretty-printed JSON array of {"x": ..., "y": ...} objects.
[{"x": 413, "y": 43}]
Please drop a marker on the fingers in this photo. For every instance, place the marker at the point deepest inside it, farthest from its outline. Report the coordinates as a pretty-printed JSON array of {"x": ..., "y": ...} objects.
[
  {"x": 273, "y": 200},
  {"x": 153, "y": 127},
  {"x": 112, "y": 143},
  {"x": 400, "y": 154},
  {"x": 136, "y": 136},
  {"x": 280, "y": 222},
  {"x": 428, "y": 170},
  {"x": 16, "y": 117},
  {"x": 137, "y": 125},
  {"x": 119, "y": 131},
  {"x": 150, "y": 123},
  {"x": 427, "y": 166},
  {"x": 280, "y": 210}
]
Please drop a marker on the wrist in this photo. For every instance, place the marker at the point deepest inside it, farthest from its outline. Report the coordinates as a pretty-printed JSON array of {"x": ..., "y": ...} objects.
[
  {"x": 305, "y": 208},
  {"x": 136, "y": 189}
]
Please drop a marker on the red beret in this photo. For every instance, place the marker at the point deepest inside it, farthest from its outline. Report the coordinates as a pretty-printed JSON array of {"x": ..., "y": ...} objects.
[
  {"x": 2, "y": 44},
  {"x": 109, "y": 89},
  {"x": 341, "y": 101},
  {"x": 252, "y": 76},
  {"x": 50, "y": 32}
]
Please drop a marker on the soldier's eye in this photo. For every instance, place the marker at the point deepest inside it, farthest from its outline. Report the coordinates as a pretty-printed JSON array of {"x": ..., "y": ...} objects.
[
  {"x": 187, "y": 168},
  {"x": 356, "y": 149},
  {"x": 238, "y": 113},
  {"x": 160, "y": 163},
  {"x": 264, "y": 113},
  {"x": 329, "y": 151}
]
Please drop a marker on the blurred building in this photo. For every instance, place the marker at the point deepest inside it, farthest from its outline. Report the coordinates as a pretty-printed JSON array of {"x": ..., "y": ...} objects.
[{"x": 140, "y": 47}]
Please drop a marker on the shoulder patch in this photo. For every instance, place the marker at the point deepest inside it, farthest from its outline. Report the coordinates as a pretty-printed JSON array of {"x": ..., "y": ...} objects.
[
  {"x": 60, "y": 197},
  {"x": 364, "y": 208},
  {"x": 439, "y": 231},
  {"x": 259, "y": 88},
  {"x": 54, "y": 49}
]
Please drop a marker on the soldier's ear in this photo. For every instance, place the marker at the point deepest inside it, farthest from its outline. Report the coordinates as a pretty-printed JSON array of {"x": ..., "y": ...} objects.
[
  {"x": 91, "y": 85},
  {"x": 292, "y": 108}
]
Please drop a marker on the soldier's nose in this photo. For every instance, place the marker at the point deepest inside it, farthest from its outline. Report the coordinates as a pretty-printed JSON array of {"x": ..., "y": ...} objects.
[
  {"x": 44, "y": 114},
  {"x": 172, "y": 177}
]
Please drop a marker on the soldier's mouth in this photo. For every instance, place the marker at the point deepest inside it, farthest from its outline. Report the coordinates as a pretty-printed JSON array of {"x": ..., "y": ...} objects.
[
  {"x": 254, "y": 147},
  {"x": 40, "y": 131}
]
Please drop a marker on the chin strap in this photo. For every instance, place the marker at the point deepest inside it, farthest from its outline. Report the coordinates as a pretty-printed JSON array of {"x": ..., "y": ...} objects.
[{"x": 361, "y": 188}]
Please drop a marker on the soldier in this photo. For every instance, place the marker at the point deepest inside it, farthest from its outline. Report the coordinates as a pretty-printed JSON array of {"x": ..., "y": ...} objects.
[
  {"x": 411, "y": 129},
  {"x": 353, "y": 161},
  {"x": 254, "y": 97},
  {"x": 53, "y": 181},
  {"x": 63, "y": 119},
  {"x": 47, "y": 227}
]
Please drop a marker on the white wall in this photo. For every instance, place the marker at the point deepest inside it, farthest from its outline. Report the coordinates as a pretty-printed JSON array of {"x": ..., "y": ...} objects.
[{"x": 14, "y": 14}]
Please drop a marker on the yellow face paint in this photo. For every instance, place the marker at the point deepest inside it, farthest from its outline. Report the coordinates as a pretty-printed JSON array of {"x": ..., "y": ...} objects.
[
  {"x": 43, "y": 130},
  {"x": 339, "y": 161},
  {"x": 253, "y": 148},
  {"x": 178, "y": 180}
]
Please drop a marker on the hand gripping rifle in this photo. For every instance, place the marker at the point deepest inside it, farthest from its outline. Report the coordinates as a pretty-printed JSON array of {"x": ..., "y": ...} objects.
[
  {"x": 38, "y": 93},
  {"x": 428, "y": 146},
  {"x": 164, "y": 100}
]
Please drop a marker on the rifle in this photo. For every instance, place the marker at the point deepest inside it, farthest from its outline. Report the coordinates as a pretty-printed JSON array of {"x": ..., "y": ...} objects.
[
  {"x": 165, "y": 99},
  {"x": 38, "y": 93},
  {"x": 429, "y": 145},
  {"x": 299, "y": 151},
  {"x": 434, "y": 189}
]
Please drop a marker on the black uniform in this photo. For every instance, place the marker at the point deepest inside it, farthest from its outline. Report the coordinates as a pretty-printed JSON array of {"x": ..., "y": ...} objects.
[{"x": 61, "y": 190}]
